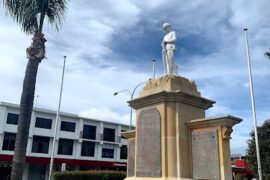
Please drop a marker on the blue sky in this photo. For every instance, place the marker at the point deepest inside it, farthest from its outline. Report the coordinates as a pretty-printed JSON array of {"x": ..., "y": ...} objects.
[{"x": 110, "y": 46}]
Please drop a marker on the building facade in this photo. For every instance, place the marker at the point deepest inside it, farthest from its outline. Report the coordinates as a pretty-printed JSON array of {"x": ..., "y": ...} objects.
[
  {"x": 240, "y": 167},
  {"x": 81, "y": 143}
]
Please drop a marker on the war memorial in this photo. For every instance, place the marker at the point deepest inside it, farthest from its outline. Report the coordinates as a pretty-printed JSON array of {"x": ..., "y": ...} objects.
[{"x": 173, "y": 139}]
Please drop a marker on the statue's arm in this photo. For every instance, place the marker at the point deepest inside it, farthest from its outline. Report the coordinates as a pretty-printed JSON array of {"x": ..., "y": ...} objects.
[
  {"x": 163, "y": 43},
  {"x": 172, "y": 38}
]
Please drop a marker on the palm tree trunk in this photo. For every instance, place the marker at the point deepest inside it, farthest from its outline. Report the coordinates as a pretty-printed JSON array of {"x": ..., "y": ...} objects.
[{"x": 35, "y": 54}]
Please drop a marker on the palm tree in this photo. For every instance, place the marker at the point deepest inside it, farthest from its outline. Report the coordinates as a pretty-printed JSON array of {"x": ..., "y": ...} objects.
[{"x": 30, "y": 15}]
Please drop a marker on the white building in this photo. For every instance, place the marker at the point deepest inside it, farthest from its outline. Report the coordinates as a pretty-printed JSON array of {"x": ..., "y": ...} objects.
[{"x": 81, "y": 143}]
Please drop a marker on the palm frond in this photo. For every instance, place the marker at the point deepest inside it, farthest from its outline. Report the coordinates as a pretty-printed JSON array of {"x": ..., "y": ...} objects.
[
  {"x": 267, "y": 55},
  {"x": 55, "y": 12},
  {"x": 25, "y": 13},
  {"x": 28, "y": 19},
  {"x": 13, "y": 8}
]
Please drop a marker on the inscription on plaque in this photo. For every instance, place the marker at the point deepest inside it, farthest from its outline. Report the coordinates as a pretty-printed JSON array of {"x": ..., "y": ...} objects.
[
  {"x": 205, "y": 154},
  {"x": 131, "y": 157},
  {"x": 148, "y": 161}
]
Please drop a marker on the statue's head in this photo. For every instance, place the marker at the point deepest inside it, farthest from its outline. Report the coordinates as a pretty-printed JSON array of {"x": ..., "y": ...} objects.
[{"x": 166, "y": 27}]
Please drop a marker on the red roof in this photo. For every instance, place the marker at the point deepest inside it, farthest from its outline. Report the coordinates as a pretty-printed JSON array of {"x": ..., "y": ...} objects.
[{"x": 241, "y": 167}]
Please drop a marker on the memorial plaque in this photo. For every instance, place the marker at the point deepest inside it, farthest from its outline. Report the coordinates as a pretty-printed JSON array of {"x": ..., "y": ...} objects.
[
  {"x": 131, "y": 157},
  {"x": 205, "y": 154},
  {"x": 148, "y": 161}
]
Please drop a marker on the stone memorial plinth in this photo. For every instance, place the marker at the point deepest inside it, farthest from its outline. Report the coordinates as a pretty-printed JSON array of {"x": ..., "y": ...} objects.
[
  {"x": 173, "y": 139},
  {"x": 210, "y": 141}
]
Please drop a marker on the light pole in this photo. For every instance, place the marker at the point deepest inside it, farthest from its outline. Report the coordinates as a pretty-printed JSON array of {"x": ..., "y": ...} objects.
[
  {"x": 131, "y": 97},
  {"x": 56, "y": 120},
  {"x": 154, "y": 68},
  {"x": 253, "y": 107}
]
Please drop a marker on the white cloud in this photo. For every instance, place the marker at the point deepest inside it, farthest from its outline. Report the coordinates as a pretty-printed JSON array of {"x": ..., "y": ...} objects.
[
  {"x": 218, "y": 110},
  {"x": 106, "y": 114},
  {"x": 251, "y": 14},
  {"x": 238, "y": 144}
]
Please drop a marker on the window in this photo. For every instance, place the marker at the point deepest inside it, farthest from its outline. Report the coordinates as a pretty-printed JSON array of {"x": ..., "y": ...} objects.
[
  {"x": 12, "y": 118},
  {"x": 123, "y": 152},
  {"x": 43, "y": 123},
  {"x": 107, "y": 153},
  {"x": 88, "y": 148},
  {"x": 89, "y": 132},
  {"x": 65, "y": 146},
  {"x": 68, "y": 126},
  {"x": 9, "y": 141},
  {"x": 36, "y": 171},
  {"x": 40, "y": 144},
  {"x": 109, "y": 134}
]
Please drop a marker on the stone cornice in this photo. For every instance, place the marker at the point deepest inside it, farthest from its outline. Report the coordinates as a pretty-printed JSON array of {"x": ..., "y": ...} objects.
[
  {"x": 175, "y": 96},
  {"x": 223, "y": 121},
  {"x": 129, "y": 134}
]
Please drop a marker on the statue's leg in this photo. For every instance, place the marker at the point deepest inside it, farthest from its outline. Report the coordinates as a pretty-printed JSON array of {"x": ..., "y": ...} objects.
[
  {"x": 175, "y": 67},
  {"x": 171, "y": 66},
  {"x": 167, "y": 65},
  {"x": 164, "y": 58}
]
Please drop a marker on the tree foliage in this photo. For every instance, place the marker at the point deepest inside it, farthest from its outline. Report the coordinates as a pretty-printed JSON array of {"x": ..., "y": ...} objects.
[
  {"x": 267, "y": 55},
  {"x": 264, "y": 144},
  {"x": 26, "y": 13}
]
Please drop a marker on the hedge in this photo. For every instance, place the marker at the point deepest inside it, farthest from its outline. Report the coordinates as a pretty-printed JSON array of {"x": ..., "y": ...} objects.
[{"x": 90, "y": 175}]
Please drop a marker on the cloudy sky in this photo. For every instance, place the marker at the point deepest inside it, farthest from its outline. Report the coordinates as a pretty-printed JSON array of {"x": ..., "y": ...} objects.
[{"x": 110, "y": 46}]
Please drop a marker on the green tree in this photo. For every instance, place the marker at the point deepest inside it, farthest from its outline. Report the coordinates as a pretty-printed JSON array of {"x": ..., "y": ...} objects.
[
  {"x": 264, "y": 143},
  {"x": 267, "y": 55},
  {"x": 30, "y": 15}
]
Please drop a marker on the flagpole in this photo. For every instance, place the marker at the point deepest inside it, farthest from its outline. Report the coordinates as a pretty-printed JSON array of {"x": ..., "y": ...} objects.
[
  {"x": 253, "y": 107},
  {"x": 56, "y": 122}
]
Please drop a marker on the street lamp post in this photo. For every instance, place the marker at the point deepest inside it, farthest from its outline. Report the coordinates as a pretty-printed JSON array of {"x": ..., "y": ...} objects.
[
  {"x": 154, "y": 68},
  {"x": 131, "y": 97}
]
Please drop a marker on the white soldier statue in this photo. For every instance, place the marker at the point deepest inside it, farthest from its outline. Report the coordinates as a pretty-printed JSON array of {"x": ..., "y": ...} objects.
[{"x": 168, "y": 49}]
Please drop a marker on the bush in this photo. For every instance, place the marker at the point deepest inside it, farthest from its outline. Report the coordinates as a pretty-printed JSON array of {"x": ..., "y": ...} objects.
[
  {"x": 239, "y": 177},
  {"x": 266, "y": 176},
  {"x": 90, "y": 175}
]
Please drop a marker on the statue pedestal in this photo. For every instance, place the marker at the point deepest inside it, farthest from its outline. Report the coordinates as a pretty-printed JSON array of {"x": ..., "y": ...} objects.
[{"x": 173, "y": 139}]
